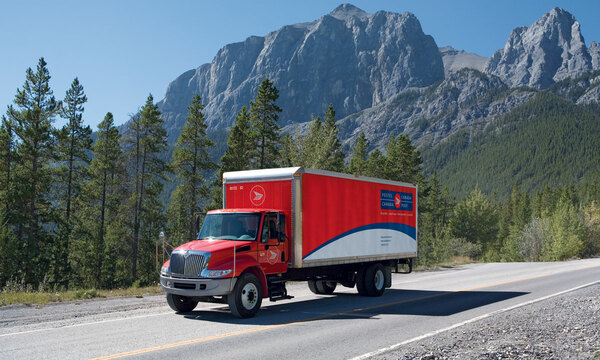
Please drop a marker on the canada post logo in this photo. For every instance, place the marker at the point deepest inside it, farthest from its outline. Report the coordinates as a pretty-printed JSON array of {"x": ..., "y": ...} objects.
[
  {"x": 394, "y": 200},
  {"x": 257, "y": 195}
]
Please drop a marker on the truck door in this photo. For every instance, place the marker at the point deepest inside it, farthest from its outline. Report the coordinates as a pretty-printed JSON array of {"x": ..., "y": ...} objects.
[{"x": 272, "y": 254}]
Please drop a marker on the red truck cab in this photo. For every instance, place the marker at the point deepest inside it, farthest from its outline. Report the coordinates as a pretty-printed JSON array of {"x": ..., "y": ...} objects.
[{"x": 230, "y": 242}]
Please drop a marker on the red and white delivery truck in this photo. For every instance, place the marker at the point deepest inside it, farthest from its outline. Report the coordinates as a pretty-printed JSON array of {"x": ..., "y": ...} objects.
[{"x": 294, "y": 224}]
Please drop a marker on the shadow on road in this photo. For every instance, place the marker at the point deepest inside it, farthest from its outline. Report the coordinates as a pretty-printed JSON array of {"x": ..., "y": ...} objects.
[{"x": 352, "y": 306}]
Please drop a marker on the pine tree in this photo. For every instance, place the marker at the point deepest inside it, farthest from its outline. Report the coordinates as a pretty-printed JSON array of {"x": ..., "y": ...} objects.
[
  {"x": 290, "y": 152},
  {"x": 240, "y": 150},
  {"x": 102, "y": 201},
  {"x": 32, "y": 125},
  {"x": 376, "y": 164},
  {"x": 74, "y": 143},
  {"x": 148, "y": 139},
  {"x": 309, "y": 145},
  {"x": 359, "y": 161},
  {"x": 475, "y": 220},
  {"x": 240, "y": 144},
  {"x": 329, "y": 150},
  {"x": 263, "y": 116},
  {"x": 190, "y": 160},
  {"x": 8, "y": 250},
  {"x": 7, "y": 164},
  {"x": 403, "y": 162}
]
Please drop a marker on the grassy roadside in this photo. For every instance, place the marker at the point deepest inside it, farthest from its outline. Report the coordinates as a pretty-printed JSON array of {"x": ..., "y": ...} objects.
[{"x": 28, "y": 297}]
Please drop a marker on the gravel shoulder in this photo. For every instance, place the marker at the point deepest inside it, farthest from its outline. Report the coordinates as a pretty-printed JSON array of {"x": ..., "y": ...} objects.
[
  {"x": 17, "y": 318},
  {"x": 563, "y": 327}
]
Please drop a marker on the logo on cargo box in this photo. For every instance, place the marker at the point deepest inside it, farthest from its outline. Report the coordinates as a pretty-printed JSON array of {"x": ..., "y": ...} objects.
[
  {"x": 257, "y": 195},
  {"x": 394, "y": 200}
]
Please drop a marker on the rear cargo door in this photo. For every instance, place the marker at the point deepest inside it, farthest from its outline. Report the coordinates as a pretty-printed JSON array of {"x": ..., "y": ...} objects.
[{"x": 272, "y": 254}]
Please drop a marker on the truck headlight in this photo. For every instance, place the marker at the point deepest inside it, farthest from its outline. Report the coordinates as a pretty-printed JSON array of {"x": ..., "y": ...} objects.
[
  {"x": 165, "y": 271},
  {"x": 215, "y": 273}
]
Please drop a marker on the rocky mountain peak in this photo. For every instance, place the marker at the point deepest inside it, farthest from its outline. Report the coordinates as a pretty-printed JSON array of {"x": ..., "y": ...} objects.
[
  {"x": 594, "y": 50},
  {"x": 347, "y": 58},
  {"x": 550, "y": 50},
  {"x": 348, "y": 11}
]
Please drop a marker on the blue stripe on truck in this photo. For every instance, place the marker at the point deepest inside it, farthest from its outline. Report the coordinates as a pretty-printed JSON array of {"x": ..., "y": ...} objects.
[{"x": 408, "y": 230}]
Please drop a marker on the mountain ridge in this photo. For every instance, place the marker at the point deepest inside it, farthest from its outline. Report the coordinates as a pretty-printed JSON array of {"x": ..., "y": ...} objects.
[{"x": 384, "y": 76}]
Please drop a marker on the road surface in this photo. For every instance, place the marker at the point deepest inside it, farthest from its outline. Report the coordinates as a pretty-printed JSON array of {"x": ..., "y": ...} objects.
[{"x": 340, "y": 326}]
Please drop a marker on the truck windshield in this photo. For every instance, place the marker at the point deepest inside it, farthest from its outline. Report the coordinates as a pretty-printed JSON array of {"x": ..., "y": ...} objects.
[{"x": 230, "y": 226}]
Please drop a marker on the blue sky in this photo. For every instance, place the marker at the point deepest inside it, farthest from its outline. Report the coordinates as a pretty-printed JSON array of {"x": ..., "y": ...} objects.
[{"x": 123, "y": 50}]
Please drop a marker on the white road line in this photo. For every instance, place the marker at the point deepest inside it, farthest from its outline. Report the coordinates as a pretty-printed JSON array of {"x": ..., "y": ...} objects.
[
  {"x": 424, "y": 336},
  {"x": 84, "y": 324}
]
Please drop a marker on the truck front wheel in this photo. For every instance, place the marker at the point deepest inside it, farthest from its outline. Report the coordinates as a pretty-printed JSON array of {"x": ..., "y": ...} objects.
[
  {"x": 181, "y": 303},
  {"x": 246, "y": 297}
]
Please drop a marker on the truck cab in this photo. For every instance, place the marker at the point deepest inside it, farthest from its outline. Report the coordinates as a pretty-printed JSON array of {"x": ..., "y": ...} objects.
[{"x": 231, "y": 243}]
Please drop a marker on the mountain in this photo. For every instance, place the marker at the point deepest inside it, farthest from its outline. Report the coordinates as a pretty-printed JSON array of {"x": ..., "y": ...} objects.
[
  {"x": 349, "y": 58},
  {"x": 550, "y": 50},
  {"x": 474, "y": 119},
  {"x": 465, "y": 99},
  {"x": 594, "y": 50},
  {"x": 548, "y": 141},
  {"x": 455, "y": 60}
]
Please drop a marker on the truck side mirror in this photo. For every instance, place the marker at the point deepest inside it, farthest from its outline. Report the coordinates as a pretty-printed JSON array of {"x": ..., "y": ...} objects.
[{"x": 197, "y": 225}]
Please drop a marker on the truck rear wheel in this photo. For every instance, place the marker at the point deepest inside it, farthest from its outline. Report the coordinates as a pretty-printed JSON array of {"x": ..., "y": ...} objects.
[
  {"x": 326, "y": 287},
  {"x": 181, "y": 303},
  {"x": 246, "y": 297},
  {"x": 374, "y": 282},
  {"x": 322, "y": 287}
]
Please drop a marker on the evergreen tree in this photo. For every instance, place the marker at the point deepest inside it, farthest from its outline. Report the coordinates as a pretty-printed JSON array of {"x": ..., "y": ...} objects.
[
  {"x": 433, "y": 220},
  {"x": 376, "y": 164},
  {"x": 330, "y": 155},
  {"x": 567, "y": 233},
  {"x": 240, "y": 144},
  {"x": 263, "y": 116},
  {"x": 240, "y": 150},
  {"x": 190, "y": 160},
  {"x": 475, "y": 220},
  {"x": 7, "y": 164},
  {"x": 403, "y": 162},
  {"x": 148, "y": 139},
  {"x": 359, "y": 161},
  {"x": 309, "y": 145},
  {"x": 73, "y": 144},
  {"x": 102, "y": 199},
  {"x": 290, "y": 153},
  {"x": 8, "y": 250},
  {"x": 32, "y": 126}
]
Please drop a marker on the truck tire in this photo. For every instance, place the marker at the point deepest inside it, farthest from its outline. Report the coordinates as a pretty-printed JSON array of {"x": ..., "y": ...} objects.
[
  {"x": 374, "y": 280},
  {"x": 246, "y": 297},
  {"x": 326, "y": 287},
  {"x": 360, "y": 281},
  {"x": 312, "y": 285},
  {"x": 181, "y": 304}
]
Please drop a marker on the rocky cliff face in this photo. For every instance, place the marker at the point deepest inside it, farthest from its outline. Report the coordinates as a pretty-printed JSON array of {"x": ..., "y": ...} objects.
[
  {"x": 550, "y": 50},
  {"x": 594, "y": 50},
  {"x": 349, "y": 58},
  {"x": 465, "y": 99},
  {"x": 455, "y": 60}
]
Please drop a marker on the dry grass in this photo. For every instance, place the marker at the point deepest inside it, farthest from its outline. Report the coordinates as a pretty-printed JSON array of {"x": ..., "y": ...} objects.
[{"x": 28, "y": 297}]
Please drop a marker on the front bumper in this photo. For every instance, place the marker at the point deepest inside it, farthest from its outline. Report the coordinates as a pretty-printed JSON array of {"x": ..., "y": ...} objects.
[{"x": 197, "y": 287}]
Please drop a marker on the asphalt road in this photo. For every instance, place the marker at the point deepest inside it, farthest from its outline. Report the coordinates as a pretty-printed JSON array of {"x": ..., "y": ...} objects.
[{"x": 340, "y": 326}]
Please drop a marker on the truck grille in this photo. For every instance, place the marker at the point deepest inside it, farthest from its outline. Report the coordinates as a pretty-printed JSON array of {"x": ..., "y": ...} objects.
[{"x": 190, "y": 265}]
